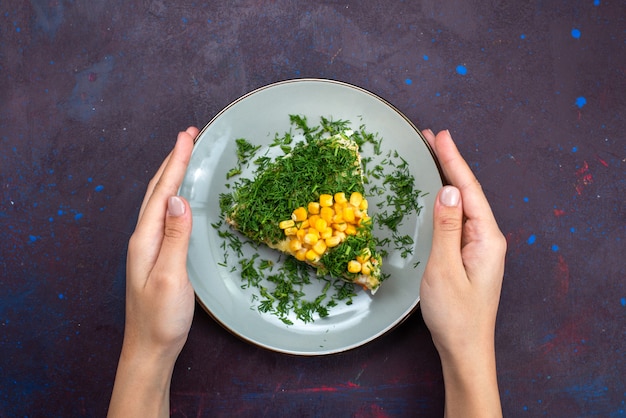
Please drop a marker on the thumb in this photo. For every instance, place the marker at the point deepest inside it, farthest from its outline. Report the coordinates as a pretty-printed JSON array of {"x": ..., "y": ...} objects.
[
  {"x": 447, "y": 225},
  {"x": 176, "y": 233}
]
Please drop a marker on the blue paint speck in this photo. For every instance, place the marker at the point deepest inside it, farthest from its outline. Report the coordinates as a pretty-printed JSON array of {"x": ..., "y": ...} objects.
[
  {"x": 574, "y": 149},
  {"x": 526, "y": 199},
  {"x": 61, "y": 296},
  {"x": 461, "y": 69},
  {"x": 522, "y": 36},
  {"x": 99, "y": 188},
  {"x": 18, "y": 29},
  {"x": 532, "y": 239},
  {"x": 89, "y": 180},
  {"x": 596, "y": 2},
  {"x": 576, "y": 33},
  {"x": 572, "y": 230},
  {"x": 185, "y": 20},
  {"x": 437, "y": 94},
  {"x": 425, "y": 57},
  {"x": 623, "y": 301},
  {"x": 78, "y": 216},
  {"x": 581, "y": 101},
  {"x": 555, "y": 247},
  {"x": 32, "y": 238},
  {"x": 60, "y": 212},
  {"x": 408, "y": 81}
]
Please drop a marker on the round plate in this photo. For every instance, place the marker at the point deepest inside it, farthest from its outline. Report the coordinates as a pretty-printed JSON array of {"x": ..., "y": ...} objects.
[{"x": 257, "y": 117}]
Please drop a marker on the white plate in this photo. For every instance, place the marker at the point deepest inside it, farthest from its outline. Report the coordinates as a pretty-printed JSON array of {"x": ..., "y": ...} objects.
[{"x": 258, "y": 116}]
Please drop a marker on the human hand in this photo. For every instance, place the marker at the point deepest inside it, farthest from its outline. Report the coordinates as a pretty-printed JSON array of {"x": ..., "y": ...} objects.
[
  {"x": 159, "y": 297},
  {"x": 460, "y": 290}
]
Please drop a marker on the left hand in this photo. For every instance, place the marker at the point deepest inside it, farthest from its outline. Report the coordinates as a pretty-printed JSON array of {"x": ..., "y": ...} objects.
[{"x": 159, "y": 297}]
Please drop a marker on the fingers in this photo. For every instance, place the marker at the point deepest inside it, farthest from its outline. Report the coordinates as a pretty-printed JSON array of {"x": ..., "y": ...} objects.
[
  {"x": 166, "y": 183},
  {"x": 153, "y": 181},
  {"x": 458, "y": 173},
  {"x": 173, "y": 255},
  {"x": 193, "y": 132}
]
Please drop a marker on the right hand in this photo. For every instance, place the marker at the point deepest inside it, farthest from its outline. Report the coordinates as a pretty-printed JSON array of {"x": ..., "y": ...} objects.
[{"x": 460, "y": 290}]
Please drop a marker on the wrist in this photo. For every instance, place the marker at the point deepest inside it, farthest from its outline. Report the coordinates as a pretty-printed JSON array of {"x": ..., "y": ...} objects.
[
  {"x": 142, "y": 384},
  {"x": 471, "y": 383}
]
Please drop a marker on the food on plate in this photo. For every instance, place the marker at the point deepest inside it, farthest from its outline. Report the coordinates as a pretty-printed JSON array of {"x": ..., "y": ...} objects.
[{"x": 310, "y": 203}]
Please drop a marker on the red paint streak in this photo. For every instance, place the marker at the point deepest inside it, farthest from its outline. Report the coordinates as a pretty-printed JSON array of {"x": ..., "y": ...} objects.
[
  {"x": 604, "y": 163},
  {"x": 583, "y": 169},
  {"x": 326, "y": 389},
  {"x": 559, "y": 212},
  {"x": 584, "y": 177},
  {"x": 562, "y": 277}
]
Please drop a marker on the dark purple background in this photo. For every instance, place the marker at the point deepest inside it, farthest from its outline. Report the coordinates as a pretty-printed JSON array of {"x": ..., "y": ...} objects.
[{"x": 93, "y": 93}]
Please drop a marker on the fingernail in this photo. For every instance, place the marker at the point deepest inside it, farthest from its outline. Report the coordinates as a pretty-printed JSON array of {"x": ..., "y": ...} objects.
[
  {"x": 175, "y": 206},
  {"x": 430, "y": 131},
  {"x": 449, "y": 196}
]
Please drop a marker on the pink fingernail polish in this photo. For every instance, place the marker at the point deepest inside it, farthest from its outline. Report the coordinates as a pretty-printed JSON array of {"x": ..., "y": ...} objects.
[
  {"x": 449, "y": 196},
  {"x": 175, "y": 206}
]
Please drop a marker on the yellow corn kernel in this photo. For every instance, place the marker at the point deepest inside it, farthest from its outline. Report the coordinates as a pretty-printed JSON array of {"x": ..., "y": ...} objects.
[
  {"x": 366, "y": 268},
  {"x": 312, "y": 256},
  {"x": 321, "y": 225},
  {"x": 326, "y": 200},
  {"x": 364, "y": 205},
  {"x": 348, "y": 214},
  {"x": 364, "y": 256},
  {"x": 299, "y": 214},
  {"x": 341, "y": 226},
  {"x": 339, "y": 207},
  {"x": 354, "y": 266},
  {"x": 314, "y": 208},
  {"x": 327, "y": 233},
  {"x": 350, "y": 229},
  {"x": 340, "y": 197},
  {"x": 295, "y": 245},
  {"x": 341, "y": 235},
  {"x": 327, "y": 214},
  {"x": 312, "y": 220},
  {"x": 338, "y": 218},
  {"x": 304, "y": 224},
  {"x": 286, "y": 224},
  {"x": 355, "y": 199},
  {"x": 310, "y": 238},
  {"x": 332, "y": 241},
  {"x": 291, "y": 231},
  {"x": 301, "y": 233},
  {"x": 301, "y": 254},
  {"x": 320, "y": 247}
]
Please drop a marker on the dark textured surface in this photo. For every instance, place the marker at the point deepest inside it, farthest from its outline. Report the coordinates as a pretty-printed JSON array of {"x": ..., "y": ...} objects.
[{"x": 92, "y": 94}]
